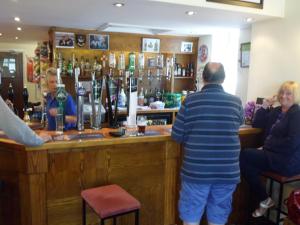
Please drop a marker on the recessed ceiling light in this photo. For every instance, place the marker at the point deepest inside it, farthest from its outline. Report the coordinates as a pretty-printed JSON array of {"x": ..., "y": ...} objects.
[
  {"x": 118, "y": 4},
  {"x": 0, "y": 34},
  {"x": 16, "y": 38},
  {"x": 17, "y": 19},
  {"x": 190, "y": 13},
  {"x": 19, "y": 28},
  {"x": 249, "y": 19}
]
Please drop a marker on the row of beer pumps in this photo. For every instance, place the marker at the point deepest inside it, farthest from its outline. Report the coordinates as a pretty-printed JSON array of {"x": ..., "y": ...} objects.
[{"x": 97, "y": 84}]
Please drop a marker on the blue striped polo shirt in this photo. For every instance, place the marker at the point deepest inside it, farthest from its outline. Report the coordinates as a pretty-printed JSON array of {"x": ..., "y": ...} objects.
[{"x": 207, "y": 125}]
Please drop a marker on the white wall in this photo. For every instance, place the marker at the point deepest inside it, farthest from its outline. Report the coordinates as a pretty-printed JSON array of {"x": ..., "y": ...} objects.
[
  {"x": 271, "y": 7},
  {"x": 243, "y": 73},
  {"x": 275, "y": 53},
  {"x": 28, "y": 50}
]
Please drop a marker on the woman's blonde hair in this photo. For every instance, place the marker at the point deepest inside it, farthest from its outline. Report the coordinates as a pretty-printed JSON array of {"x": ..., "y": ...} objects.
[
  {"x": 50, "y": 72},
  {"x": 291, "y": 86}
]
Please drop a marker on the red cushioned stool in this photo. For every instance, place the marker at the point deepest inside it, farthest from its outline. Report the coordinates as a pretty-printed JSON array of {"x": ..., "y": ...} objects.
[
  {"x": 109, "y": 202},
  {"x": 281, "y": 180}
]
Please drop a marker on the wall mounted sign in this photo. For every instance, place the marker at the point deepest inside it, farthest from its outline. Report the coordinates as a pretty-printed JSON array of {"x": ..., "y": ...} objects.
[
  {"x": 247, "y": 3},
  {"x": 203, "y": 53},
  {"x": 245, "y": 54}
]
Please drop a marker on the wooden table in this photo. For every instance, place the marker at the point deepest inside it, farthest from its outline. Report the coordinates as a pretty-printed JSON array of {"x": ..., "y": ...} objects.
[{"x": 42, "y": 185}]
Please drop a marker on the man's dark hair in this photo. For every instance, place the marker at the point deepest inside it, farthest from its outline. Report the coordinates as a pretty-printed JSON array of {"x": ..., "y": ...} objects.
[{"x": 213, "y": 73}]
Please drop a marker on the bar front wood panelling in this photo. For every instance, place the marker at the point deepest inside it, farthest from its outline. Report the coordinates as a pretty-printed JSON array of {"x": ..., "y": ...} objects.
[{"x": 42, "y": 185}]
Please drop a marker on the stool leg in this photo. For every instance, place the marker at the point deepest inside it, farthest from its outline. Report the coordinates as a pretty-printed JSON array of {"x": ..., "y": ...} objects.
[
  {"x": 115, "y": 220},
  {"x": 83, "y": 213},
  {"x": 279, "y": 204},
  {"x": 137, "y": 221},
  {"x": 270, "y": 193},
  {"x": 101, "y": 221}
]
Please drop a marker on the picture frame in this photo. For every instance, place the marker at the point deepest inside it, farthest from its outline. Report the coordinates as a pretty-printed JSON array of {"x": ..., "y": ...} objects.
[
  {"x": 80, "y": 40},
  {"x": 246, "y": 3},
  {"x": 64, "y": 40},
  {"x": 245, "y": 54},
  {"x": 99, "y": 42},
  {"x": 151, "y": 45},
  {"x": 186, "y": 47}
]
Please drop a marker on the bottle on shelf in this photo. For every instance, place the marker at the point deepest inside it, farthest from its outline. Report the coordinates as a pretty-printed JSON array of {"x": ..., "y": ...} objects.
[
  {"x": 151, "y": 97},
  {"x": 183, "y": 71},
  {"x": 141, "y": 98},
  {"x": 25, "y": 97},
  {"x": 10, "y": 93},
  {"x": 64, "y": 67},
  {"x": 131, "y": 66},
  {"x": 82, "y": 66},
  {"x": 179, "y": 70},
  {"x": 158, "y": 95},
  {"x": 146, "y": 98},
  {"x": 122, "y": 98},
  {"x": 70, "y": 68},
  {"x": 191, "y": 69}
]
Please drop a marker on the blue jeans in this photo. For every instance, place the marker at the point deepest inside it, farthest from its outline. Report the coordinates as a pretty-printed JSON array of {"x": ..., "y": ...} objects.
[
  {"x": 252, "y": 163},
  {"x": 215, "y": 198}
]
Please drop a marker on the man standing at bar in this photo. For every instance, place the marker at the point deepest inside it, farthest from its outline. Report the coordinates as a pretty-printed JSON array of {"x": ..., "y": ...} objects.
[
  {"x": 207, "y": 125},
  {"x": 52, "y": 103}
]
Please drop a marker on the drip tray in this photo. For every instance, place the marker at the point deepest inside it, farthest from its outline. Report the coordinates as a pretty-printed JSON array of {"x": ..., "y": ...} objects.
[{"x": 76, "y": 137}]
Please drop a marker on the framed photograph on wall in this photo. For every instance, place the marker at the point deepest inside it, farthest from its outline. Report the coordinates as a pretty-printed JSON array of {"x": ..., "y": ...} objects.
[
  {"x": 245, "y": 54},
  {"x": 186, "y": 46},
  {"x": 80, "y": 40},
  {"x": 99, "y": 41},
  {"x": 151, "y": 45},
  {"x": 247, "y": 3},
  {"x": 64, "y": 40}
]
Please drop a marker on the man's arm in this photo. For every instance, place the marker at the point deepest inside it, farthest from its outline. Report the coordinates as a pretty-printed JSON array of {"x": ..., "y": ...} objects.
[
  {"x": 178, "y": 130},
  {"x": 16, "y": 129}
]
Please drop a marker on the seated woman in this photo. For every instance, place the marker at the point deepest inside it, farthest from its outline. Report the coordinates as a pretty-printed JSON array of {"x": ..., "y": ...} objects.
[{"x": 281, "y": 149}]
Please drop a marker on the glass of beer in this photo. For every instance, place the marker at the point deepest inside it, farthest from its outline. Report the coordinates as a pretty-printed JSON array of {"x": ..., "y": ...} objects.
[{"x": 141, "y": 124}]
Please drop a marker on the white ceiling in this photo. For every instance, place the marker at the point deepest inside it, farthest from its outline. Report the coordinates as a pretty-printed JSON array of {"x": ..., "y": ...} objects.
[{"x": 38, "y": 15}]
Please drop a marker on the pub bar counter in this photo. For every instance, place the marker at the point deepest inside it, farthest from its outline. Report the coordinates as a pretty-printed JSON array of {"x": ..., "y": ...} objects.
[{"x": 42, "y": 185}]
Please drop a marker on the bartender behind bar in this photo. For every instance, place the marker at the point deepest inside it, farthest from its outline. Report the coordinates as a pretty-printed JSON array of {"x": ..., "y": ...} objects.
[{"x": 52, "y": 104}]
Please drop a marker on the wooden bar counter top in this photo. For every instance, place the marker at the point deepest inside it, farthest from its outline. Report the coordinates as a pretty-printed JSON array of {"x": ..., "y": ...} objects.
[{"x": 42, "y": 185}]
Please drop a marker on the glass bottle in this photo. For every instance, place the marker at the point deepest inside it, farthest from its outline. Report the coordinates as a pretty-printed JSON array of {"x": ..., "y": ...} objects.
[
  {"x": 25, "y": 97},
  {"x": 131, "y": 62},
  {"x": 10, "y": 93},
  {"x": 70, "y": 68},
  {"x": 141, "y": 98}
]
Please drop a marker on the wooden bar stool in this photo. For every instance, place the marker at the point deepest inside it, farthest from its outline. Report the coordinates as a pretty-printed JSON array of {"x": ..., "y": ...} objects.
[
  {"x": 282, "y": 180},
  {"x": 109, "y": 202}
]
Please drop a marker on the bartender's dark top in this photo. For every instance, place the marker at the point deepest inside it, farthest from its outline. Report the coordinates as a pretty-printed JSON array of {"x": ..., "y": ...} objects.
[{"x": 207, "y": 125}]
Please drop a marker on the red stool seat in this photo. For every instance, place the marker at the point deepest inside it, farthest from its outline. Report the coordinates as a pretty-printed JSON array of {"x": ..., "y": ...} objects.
[{"x": 109, "y": 202}]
